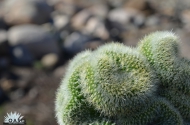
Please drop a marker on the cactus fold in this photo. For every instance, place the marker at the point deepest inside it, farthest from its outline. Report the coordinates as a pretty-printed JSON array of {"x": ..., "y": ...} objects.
[
  {"x": 71, "y": 107},
  {"x": 116, "y": 78},
  {"x": 162, "y": 51},
  {"x": 117, "y": 85}
]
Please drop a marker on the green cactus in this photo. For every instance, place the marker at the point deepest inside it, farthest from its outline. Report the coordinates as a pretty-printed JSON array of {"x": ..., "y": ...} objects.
[
  {"x": 102, "y": 122},
  {"x": 178, "y": 99},
  {"x": 158, "y": 112},
  {"x": 162, "y": 52},
  {"x": 71, "y": 107},
  {"x": 112, "y": 85},
  {"x": 117, "y": 77}
]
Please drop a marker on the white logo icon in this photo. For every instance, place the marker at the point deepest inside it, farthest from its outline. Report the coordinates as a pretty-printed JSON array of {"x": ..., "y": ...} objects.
[{"x": 14, "y": 118}]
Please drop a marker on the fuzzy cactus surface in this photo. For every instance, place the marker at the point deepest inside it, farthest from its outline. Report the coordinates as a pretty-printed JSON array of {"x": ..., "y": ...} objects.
[
  {"x": 71, "y": 107},
  {"x": 162, "y": 52},
  {"x": 119, "y": 85},
  {"x": 116, "y": 78}
]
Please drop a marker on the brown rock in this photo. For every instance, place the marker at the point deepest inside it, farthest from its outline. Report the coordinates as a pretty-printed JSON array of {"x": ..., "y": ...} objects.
[
  {"x": 97, "y": 28},
  {"x": 80, "y": 19},
  {"x": 26, "y": 11}
]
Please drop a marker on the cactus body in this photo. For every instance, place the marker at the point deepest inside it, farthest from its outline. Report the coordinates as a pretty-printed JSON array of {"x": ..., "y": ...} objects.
[
  {"x": 158, "y": 112},
  {"x": 114, "y": 85},
  {"x": 162, "y": 52},
  {"x": 71, "y": 107},
  {"x": 117, "y": 79},
  {"x": 179, "y": 100}
]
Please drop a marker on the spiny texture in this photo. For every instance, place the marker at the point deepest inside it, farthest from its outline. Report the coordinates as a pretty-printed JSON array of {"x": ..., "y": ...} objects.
[
  {"x": 117, "y": 78},
  {"x": 158, "y": 112},
  {"x": 102, "y": 122},
  {"x": 71, "y": 107},
  {"x": 114, "y": 85},
  {"x": 162, "y": 52},
  {"x": 179, "y": 100}
]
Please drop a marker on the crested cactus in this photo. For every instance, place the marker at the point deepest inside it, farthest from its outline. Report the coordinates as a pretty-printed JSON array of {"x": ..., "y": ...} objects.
[
  {"x": 158, "y": 112},
  {"x": 114, "y": 85},
  {"x": 71, "y": 108},
  {"x": 117, "y": 77},
  {"x": 181, "y": 101},
  {"x": 162, "y": 52}
]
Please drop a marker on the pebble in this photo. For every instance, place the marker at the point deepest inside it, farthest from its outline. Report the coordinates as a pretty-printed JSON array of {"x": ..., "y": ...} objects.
[
  {"x": 34, "y": 38},
  {"x": 60, "y": 21},
  {"x": 76, "y": 42},
  {"x": 49, "y": 60},
  {"x": 97, "y": 28},
  {"x": 119, "y": 15},
  {"x": 4, "y": 63},
  {"x": 79, "y": 20},
  {"x": 152, "y": 21},
  {"x": 99, "y": 10},
  {"x": 21, "y": 56},
  {"x": 26, "y": 11},
  {"x": 4, "y": 47}
]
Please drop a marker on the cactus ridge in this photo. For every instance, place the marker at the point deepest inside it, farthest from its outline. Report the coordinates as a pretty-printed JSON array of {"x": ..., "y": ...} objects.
[
  {"x": 117, "y": 78},
  {"x": 71, "y": 107},
  {"x": 158, "y": 112},
  {"x": 180, "y": 101},
  {"x": 161, "y": 49},
  {"x": 119, "y": 85},
  {"x": 162, "y": 52}
]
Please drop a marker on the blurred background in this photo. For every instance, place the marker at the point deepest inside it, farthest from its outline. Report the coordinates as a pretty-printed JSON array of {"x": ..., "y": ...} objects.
[{"x": 39, "y": 37}]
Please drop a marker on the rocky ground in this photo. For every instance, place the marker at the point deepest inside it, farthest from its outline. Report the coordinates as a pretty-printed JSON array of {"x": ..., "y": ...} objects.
[{"x": 39, "y": 37}]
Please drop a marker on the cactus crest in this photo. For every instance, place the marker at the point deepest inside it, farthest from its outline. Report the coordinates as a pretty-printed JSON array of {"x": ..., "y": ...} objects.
[
  {"x": 117, "y": 77},
  {"x": 119, "y": 85},
  {"x": 162, "y": 51}
]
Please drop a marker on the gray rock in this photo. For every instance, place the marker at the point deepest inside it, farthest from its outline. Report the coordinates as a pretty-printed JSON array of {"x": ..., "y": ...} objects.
[
  {"x": 99, "y": 10},
  {"x": 60, "y": 71},
  {"x": 126, "y": 17},
  {"x": 4, "y": 63},
  {"x": 17, "y": 94},
  {"x": 138, "y": 19},
  {"x": 26, "y": 11},
  {"x": 3, "y": 25},
  {"x": 77, "y": 42},
  {"x": 152, "y": 21},
  {"x": 170, "y": 7},
  {"x": 185, "y": 43},
  {"x": 120, "y": 16},
  {"x": 64, "y": 7},
  {"x": 116, "y": 3},
  {"x": 79, "y": 20},
  {"x": 34, "y": 38},
  {"x": 97, "y": 28},
  {"x": 60, "y": 21},
  {"x": 3, "y": 36},
  {"x": 4, "y": 48},
  {"x": 185, "y": 18},
  {"x": 3, "y": 96},
  {"x": 21, "y": 56}
]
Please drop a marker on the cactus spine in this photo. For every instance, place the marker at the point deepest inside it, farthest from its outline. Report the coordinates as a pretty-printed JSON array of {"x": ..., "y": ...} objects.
[
  {"x": 112, "y": 85},
  {"x": 71, "y": 107},
  {"x": 162, "y": 52},
  {"x": 117, "y": 77}
]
